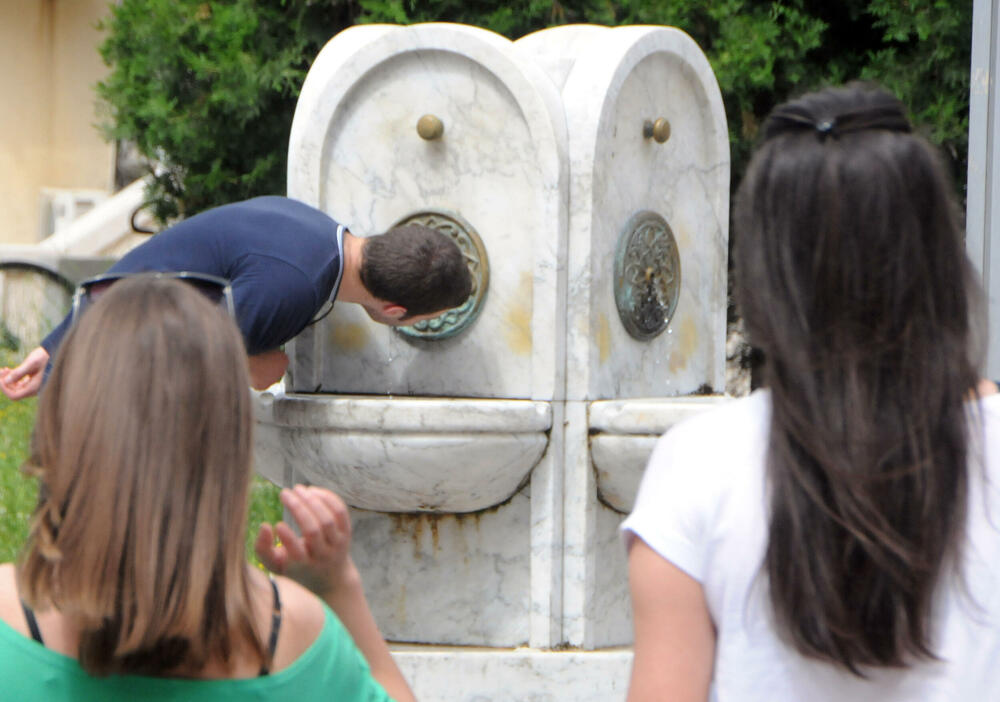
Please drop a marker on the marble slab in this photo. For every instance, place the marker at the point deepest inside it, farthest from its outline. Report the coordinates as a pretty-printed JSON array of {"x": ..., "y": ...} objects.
[
  {"x": 607, "y": 446},
  {"x": 580, "y": 508},
  {"x": 402, "y": 454},
  {"x": 650, "y": 415},
  {"x": 619, "y": 462},
  {"x": 596, "y": 610},
  {"x": 609, "y": 607},
  {"x": 402, "y": 414},
  {"x": 547, "y": 526},
  {"x": 500, "y": 166},
  {"x": 439, "y": 674},
  {"x": 448, "y": 578},
  {"x": 622, "y": 435},
  {"x": 620, "y": 78},
  {"x": 490, "y": 471}
]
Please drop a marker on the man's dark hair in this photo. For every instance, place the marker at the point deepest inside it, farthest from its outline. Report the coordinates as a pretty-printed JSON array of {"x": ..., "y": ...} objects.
[{"x": 416, "y": 267}]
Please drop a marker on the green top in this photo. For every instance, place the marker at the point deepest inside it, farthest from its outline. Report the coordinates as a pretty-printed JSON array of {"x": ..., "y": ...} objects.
[{"x": 332, "y": 668}]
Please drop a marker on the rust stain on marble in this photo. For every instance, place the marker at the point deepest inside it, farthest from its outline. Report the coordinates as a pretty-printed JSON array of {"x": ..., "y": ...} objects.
[
  {"x": 682, "y": 236},
  {"x": 401, "y": 603},
  {"x": 349, "y": 336},
  {"x": 518, "y": 318},
  {"x": 459, "y": 525},
  {"x": 435, "y": 537},
  {"x": 603, "y": 337},
  {"x": 462, "y": 517},
  {"x": 413, "y": 525},
  {"x": 418, "y": 534},
  {"x": 685, "y": 344}
]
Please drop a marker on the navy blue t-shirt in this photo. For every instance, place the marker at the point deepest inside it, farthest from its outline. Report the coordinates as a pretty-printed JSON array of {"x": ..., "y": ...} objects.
[{"x": 283, "y": 258}]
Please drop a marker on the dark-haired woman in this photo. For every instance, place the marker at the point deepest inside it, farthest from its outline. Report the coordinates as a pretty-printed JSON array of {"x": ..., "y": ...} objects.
[
  {"x": 833, "y": 537},
  {"x": 134, "y": 583}
]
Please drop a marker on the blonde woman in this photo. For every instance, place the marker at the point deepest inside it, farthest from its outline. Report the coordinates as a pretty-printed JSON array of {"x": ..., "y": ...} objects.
[{"x": 133, "y": 583}]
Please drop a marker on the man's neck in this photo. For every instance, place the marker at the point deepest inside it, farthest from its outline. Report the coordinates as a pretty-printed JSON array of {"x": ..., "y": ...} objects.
[{"x": 351, "y": 288}]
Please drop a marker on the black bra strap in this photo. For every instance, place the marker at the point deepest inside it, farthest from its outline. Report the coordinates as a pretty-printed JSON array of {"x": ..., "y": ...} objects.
[
  {"x": 29, "y": 615},
  {"x": 272, "y": 641}
]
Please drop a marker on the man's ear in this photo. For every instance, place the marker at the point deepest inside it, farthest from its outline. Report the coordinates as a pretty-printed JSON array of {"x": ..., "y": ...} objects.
[{"x": 393, "y": 311}]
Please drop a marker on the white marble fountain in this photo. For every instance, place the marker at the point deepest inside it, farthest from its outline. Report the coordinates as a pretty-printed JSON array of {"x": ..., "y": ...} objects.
[{"x": 490, "y": 455}]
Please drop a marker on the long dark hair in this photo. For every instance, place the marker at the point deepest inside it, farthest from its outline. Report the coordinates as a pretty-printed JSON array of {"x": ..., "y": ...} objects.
[{"x": 852, "y": 280}]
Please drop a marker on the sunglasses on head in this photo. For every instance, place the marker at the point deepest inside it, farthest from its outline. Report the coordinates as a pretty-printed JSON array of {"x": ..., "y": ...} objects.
[{"x": 216, "y": 289}]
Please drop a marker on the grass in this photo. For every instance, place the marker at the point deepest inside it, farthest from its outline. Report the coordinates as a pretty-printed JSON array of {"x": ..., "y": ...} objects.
[
  {"x": 18, "y": 492},
  {"x": 264, "y": 507}
]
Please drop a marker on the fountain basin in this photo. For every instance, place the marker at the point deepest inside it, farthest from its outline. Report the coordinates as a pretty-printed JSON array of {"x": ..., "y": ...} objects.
[
  {"x": 623, "y": 433},
  {"x": 402, "y": 454}
]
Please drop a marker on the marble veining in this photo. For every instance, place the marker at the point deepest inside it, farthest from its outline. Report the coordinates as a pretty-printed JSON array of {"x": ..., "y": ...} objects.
[
  {"x": 619, "y": 462},
  {"x": 500, "y": 165},
  {"x": 450, "y": 578},
  {"x": 488, "y": 472},
  {"x": 623, "y": 433},
  {"x": 648, "y": 415},
  {"x": 440, "y": 674},
  {"x": 620, "y": 78},
  {"x": 403, "y": 414},
  {"x": 403, "y": 455},
  {"x": 547, "y": 538}
]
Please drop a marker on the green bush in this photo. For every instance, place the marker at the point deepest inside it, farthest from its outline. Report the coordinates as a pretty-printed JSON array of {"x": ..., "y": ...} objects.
[
  {"x": 766, "y": 51},
  {"x": 209, "y": 89}
]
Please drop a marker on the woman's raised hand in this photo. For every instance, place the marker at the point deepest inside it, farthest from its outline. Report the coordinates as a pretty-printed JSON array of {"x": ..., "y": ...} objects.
[
  {"x": 320, "y": 560},
  {"x": 320, "y": 557}
]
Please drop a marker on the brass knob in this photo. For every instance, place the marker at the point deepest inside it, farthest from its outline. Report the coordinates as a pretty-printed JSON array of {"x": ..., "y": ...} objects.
[
  {"x": 430, "y": 127},
  {"x": 658, "y": 130}
]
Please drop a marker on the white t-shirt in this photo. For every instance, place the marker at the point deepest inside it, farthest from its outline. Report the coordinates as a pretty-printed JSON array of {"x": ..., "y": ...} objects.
[{"x": 702, "y": 506}]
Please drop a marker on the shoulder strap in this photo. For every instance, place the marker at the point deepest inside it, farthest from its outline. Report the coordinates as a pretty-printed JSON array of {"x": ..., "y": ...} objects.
[
  {"x": 272, "y": 641},
  {"x": 29, "y": 615}
]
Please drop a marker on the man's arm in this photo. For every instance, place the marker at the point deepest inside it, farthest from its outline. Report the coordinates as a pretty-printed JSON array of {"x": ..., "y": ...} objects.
[
  {"x": 274, "y": 301},
  {"x": 267, "y": 368},
  {"x": 674, "y": 634},
  {"x": 25, "y": 380}
]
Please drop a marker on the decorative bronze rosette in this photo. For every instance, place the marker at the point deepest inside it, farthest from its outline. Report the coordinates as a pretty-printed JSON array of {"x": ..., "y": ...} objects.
[
  {"x": 457, "y": 319},
  {"x": 647, "y": 275}
]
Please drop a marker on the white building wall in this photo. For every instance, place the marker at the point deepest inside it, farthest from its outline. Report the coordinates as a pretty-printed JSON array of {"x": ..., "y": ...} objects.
[{"x": 983, "y": 192}]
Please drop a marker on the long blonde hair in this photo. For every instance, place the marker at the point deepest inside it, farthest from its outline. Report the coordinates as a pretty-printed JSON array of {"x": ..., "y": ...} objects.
[{"x": 142, "y": 448}]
